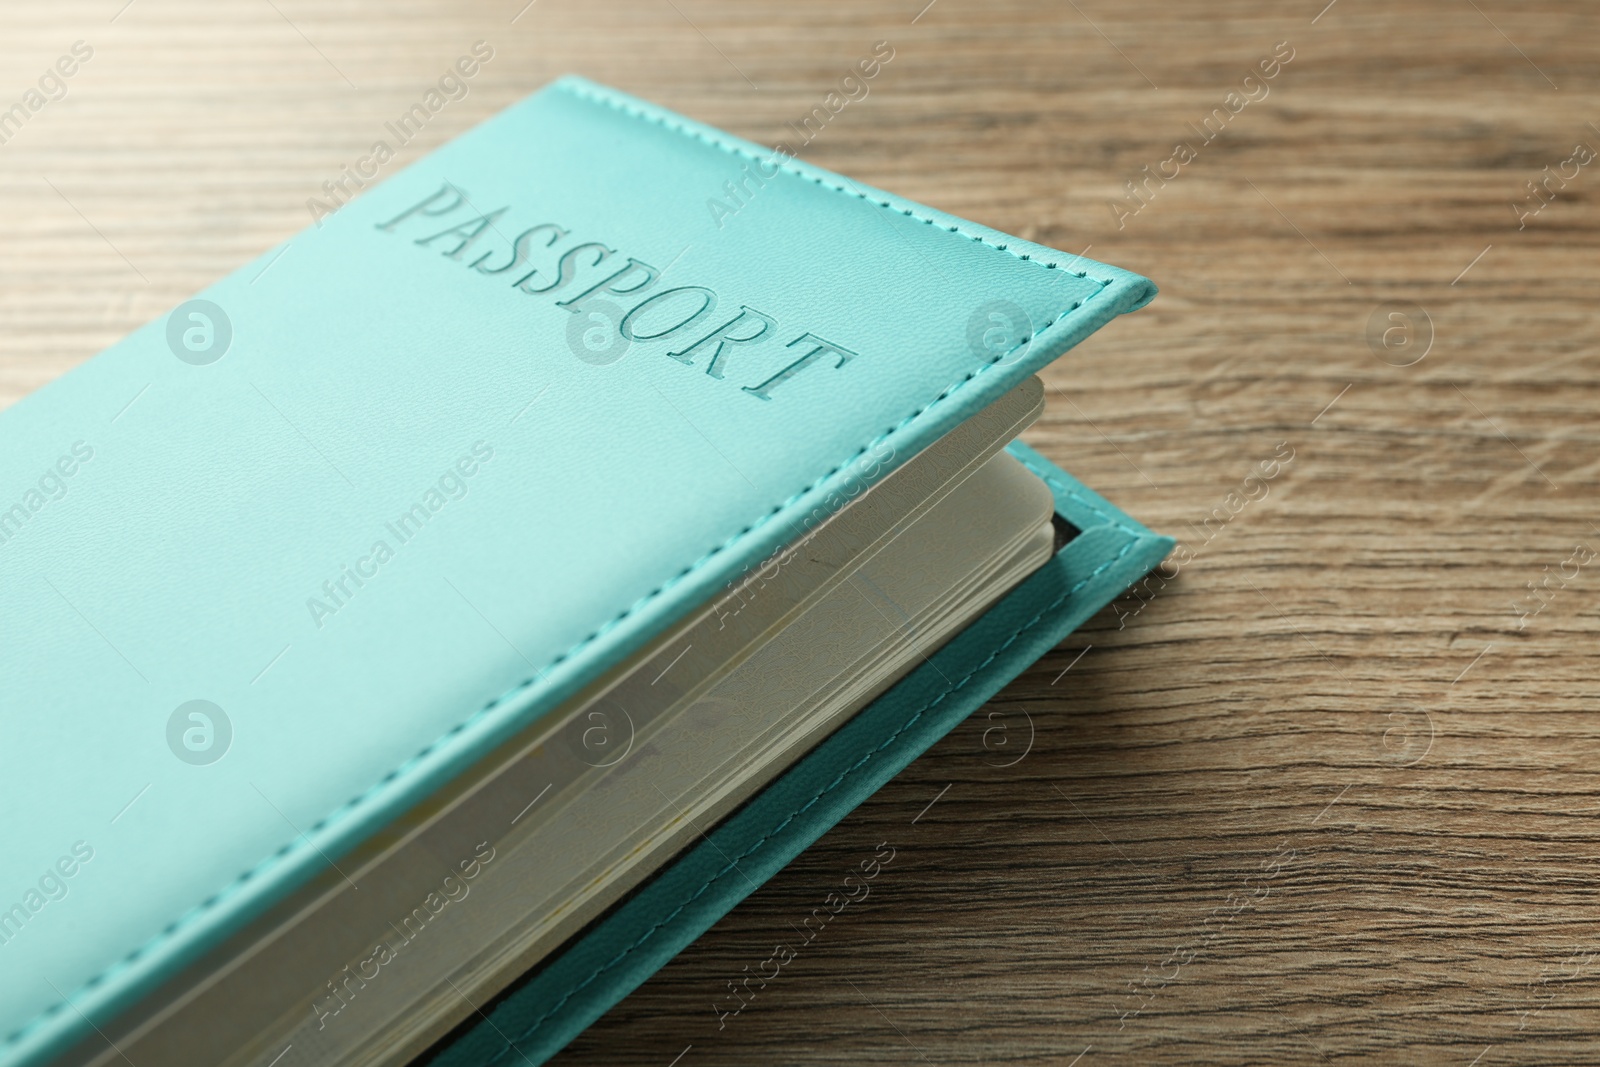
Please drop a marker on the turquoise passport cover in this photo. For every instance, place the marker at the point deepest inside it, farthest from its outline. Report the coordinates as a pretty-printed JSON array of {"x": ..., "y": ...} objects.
[
  {"x": 539, "y": 1015},
  {"x": 278, "y": 564}
]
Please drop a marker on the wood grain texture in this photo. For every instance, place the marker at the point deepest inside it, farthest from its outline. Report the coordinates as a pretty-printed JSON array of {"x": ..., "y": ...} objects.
[{"x": 1327, "y": 795}]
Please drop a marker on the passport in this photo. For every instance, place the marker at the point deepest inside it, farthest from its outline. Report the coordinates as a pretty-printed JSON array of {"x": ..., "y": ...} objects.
[{"x": 286, "y": 570}]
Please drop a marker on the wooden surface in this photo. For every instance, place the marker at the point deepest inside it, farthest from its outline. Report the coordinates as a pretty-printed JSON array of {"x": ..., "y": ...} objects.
[{"x": 1329, "y": 794}]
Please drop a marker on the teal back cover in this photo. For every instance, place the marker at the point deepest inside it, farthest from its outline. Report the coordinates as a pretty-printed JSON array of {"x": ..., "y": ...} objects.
[
  {"x": 553, "y": 1004},
  {"x": 275, "y": 566}
]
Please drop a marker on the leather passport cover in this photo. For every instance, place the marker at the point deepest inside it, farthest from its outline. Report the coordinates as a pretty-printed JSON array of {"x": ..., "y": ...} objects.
[
  {"x": 280, "y": 563},
  {"x": 549, "y": 1007}
]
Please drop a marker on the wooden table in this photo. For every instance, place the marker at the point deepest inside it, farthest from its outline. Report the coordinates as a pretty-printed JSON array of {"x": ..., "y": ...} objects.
[{"x": 1330, "y": 792}]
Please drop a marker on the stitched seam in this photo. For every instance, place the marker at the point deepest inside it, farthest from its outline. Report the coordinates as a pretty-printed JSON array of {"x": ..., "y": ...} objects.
[
  {"x": 706, "y": 137},
  {"x": 846, "y": 773},
  {"x": 175, "y": 926}
]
